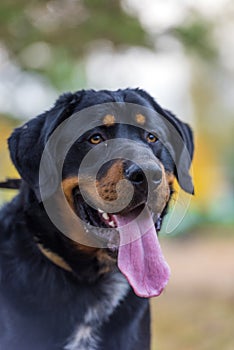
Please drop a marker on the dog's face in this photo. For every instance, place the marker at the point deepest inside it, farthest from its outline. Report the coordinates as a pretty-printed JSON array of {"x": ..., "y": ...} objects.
[
  {"x": 116, "y": 175},
  {"x": 130, "y": 169}
]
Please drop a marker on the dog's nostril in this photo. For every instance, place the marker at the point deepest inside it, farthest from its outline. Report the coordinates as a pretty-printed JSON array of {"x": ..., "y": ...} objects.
[
  {"x": 137, "y": 177},
  {"x": 156, "y": 176},
  {"x": 153, "y": 174},
  {"x": 135, "y": 174},
  {"x": 141, "y": 176}
]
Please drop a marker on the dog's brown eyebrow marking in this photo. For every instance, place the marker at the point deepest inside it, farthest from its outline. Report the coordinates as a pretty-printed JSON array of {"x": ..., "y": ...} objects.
[
  {"x": 109, "y": 120},
  {"x": 140, "y": 119}
]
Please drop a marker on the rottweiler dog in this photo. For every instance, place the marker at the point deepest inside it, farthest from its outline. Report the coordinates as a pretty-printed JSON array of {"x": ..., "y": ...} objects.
[{"x": 79, "y": 252}]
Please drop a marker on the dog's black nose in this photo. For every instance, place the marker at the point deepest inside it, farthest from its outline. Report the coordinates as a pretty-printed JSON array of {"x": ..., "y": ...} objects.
[
  {"x": 135, "y": 174},
  {"x": 146, "y": 175}
]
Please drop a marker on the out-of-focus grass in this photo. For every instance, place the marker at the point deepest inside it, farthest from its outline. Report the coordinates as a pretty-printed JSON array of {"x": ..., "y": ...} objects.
[
  {"x": 193, "y": 323},
  {"x": 196, "y": 312}
]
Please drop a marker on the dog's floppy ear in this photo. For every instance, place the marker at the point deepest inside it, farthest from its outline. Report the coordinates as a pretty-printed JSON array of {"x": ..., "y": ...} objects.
[
  {"x": 26, "y": 144},
  {"x": 26, "y": 147},
  {"x": 184, "y": 151},
  {"x": 180, "y": 138}
]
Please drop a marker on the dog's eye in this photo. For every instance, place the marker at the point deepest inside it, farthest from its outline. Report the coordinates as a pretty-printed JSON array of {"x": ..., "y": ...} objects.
[
  {"x": 151, "y": 138},
  {"x": 96, "y": 139}
]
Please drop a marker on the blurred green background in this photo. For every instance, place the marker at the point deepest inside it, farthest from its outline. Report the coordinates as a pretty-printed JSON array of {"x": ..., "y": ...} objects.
[{"x": 181, "y": 52}]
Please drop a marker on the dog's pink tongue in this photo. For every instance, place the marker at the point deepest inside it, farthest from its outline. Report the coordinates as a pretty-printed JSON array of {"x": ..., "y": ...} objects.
[{"x": 140, "y": 257}]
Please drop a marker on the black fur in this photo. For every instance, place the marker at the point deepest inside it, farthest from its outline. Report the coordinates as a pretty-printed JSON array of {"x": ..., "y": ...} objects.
[{"x": 42, "y": 304}]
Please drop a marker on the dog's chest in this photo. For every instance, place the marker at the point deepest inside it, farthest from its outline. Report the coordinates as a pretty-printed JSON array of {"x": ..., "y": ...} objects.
[{"x": 86, "y": 334}]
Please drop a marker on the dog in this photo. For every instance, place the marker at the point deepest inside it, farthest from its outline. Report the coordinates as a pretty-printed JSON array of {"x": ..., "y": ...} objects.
[{"x": 79, "y": 253}]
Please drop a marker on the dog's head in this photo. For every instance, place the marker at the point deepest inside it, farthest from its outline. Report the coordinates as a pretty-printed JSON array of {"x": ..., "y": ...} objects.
[{"x": 113, "y": 156}]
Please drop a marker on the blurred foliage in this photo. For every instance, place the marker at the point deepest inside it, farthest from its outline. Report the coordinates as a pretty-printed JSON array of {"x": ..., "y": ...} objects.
[
  {"x": 51, "y": 37},
  {"x": 68, "y": 24},
  {"x": 6, "y": 126},
  {"x": 195, "y": 34}
]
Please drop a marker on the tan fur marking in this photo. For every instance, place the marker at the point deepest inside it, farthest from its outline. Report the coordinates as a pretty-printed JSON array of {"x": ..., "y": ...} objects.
[
  {"x": 107, "y": 263},
  {"x": 55, "y": 258},
  {"x": 68, "y": 186},
  {"x": 162, "y": 193},
  {"x": 140, "y": 119},
  {"x": 109, "y": 120},
  {"x": 107, "y": 185},
  {"x": 86, "y": 249},
  {"x": 170, "y": 178}
]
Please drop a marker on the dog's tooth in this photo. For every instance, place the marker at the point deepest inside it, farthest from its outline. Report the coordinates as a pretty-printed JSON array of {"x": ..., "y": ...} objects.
[
  {"x": 105, "y": 216},
  {"x": 100, "y": 210},
  {"x": 111, "y": 223}
]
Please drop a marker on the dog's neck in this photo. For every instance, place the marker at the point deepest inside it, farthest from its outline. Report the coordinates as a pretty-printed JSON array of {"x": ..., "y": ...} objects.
[
  {"x": 55, "y": 258},
  {"x": 85, "y": 263}
]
